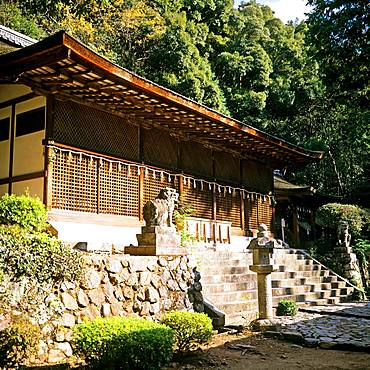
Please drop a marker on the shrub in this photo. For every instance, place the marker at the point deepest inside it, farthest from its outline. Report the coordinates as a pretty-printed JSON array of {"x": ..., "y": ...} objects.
[
  {"x": 286, "y": 307},
  {"x": 183, "y": 211},
  {"x": 190, "y": 329},
  {"x": 18, "y": 341},
  {"x": 121, "y": 342},
  {"x": 31, "y": 265},
  {"x": 22, "y": 210},
  {"x": 331, "y": 214},
  {"x": 37, "y": 255}
]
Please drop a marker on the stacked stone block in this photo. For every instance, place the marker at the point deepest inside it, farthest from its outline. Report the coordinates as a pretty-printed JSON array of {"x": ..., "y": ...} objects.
[{"x": 118, "y": 285}]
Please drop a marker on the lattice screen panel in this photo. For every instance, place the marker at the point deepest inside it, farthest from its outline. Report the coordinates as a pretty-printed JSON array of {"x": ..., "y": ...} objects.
[
  {"x": 84, "y": 127},
  {"x": 159, "y": 148},
  {"x": 265, "y": 213},
  {"x": 118, "y": 191},
  {"x": 259, "y": 211},
  {"x": 257, "y": 176},
  {"x": 196, "y": 158},
  {"x": 74, "y": 183},
  {"x": 152, "y": 185},
  {"x": 199, "y": 200},
  {"x": 227, "y": 167},
  {"x": 252, "y": 209},
  {"x": 228, "y": 208}
]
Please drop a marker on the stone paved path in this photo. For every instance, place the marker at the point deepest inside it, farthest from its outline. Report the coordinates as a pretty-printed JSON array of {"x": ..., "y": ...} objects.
[{"x": 345, "y": 325}]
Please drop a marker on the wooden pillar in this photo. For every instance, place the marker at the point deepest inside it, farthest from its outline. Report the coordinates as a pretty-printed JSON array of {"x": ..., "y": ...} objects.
[
  {"x": 273, "y": 227},
  {"x": 181, "y": 185},
  {"x": 295, "y": 226},
  {"x": 214, "y": 204},
  {"x": 48, "y": 179},
  {"x": 214, "y": 197},
  {"x": 141, "y": 193},
  {"x": 247, "y": 206},
  {"x": 98, "y": 186},
  {"x": 48, "y": 156},
  {"x": 242, "y": 212},
  {"x": 11, "y": 148}
]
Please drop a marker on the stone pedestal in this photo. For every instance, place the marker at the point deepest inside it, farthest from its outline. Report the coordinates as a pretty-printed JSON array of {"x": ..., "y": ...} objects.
[
  {"x": 163, "y": 236},
  {"x": 157, "y": 240}
]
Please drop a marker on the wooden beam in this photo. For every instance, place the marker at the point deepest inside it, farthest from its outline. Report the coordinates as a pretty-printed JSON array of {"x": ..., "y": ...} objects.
[
  {"x": 17, "y": 100},
  {"x": 11, "y": 147},
  {"x": 25, "y": 177}
]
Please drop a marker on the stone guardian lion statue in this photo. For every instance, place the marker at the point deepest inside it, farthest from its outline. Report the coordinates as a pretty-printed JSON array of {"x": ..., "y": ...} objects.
[{"x": 159, "y": 212}]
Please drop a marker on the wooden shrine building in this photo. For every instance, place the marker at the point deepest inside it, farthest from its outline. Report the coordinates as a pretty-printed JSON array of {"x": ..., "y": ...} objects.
[{"x": 96, "y": 141}]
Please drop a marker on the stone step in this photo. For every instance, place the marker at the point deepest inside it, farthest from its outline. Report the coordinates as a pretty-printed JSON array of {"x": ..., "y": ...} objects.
[
  {"x": 297, "y": 289},
  {"x": 293, "y": 261},
  {"x": 238, "y": 306},
  {"x": 299, "y": 267},
  {"x": 241, "y": 317},
  {"x": 330, "y": 279},
  {"x": 299, "y": 274},
  {"x": 306, "y": 297},
  {"x": 228, "y": 287},
  {"x": 339, "y": 284},
  {"x": 220, "y": 270},
  {"x": 286, "y": 283},
  {"x": 317, "y": 302},
  {"x": 225, "y": 263},
  {"x": 228, "y": 278},
  {"x": 232, "y": 287},
  {"x": 231, "y": 297}
]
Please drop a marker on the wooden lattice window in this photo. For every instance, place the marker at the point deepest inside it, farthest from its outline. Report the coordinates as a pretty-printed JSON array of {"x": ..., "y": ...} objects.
[
  {"x": 74, "y": 183},
  {"x": 228, "y": 208},
  {"x": 84, "y": 184},
  {"x": 154, "y": 182},
  {"x": 200, "y": 200},
  {"x": 92, "y": 129},
  {"x": 118, "y": 190},
  {"x": 159, "y": 148},
  {"x": 265, "y": 212},
  {"x": 252, "y": 209},
  {"x": 259, "y": 211}
]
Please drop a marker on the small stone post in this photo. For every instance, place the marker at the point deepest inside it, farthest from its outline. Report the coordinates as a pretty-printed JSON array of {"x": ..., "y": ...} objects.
[{"x": 263, "y": 248}]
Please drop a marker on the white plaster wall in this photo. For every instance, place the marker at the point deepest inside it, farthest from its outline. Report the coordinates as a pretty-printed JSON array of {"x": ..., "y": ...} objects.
[
  {"x": 11, "y": 91},
  {"x": 3, "y": 189},
  {"x": 28, "y": 149},
  {"x": 96, "y": 234},
  {"x": 34, "y": 187},
  {"x": 4, "y": 147}
]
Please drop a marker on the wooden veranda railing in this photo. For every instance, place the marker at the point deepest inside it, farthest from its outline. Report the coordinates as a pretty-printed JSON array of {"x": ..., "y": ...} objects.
[{"x": 86, "y": 182}]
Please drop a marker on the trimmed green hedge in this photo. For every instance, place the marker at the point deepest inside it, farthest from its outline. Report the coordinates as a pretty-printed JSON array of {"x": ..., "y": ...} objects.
[
  {"x": 123, "y": 343},
  {"x": 190, "y": 329}
]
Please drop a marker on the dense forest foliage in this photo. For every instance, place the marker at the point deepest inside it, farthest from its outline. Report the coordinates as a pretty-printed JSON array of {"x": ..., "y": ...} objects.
[{"x": 306, "y": 82}]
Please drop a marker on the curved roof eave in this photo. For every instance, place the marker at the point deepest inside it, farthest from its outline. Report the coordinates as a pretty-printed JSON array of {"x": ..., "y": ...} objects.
[{"x": 62, "y": 46}]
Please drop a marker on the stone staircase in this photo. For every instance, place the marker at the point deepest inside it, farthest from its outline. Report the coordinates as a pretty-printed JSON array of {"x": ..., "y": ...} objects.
[{"x": 230, "y": 286}]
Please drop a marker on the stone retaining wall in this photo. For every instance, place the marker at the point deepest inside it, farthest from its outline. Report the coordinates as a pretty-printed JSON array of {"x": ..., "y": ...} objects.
[{"x": 119, "y": 285}]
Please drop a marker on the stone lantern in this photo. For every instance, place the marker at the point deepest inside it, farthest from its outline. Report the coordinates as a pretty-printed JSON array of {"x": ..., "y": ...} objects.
[{"x": 263, "y": 248}]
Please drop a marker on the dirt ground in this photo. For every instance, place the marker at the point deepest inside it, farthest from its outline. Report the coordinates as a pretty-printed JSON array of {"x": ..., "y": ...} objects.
[
  {"x": 252, "y": 351},
  {"x": 249, "y": 350}
]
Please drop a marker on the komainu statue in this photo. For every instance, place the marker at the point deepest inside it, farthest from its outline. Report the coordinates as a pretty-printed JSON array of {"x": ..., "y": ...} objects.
[
  {"x": 159, "y": 212},
  {"x": 344, "y": 237}
]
